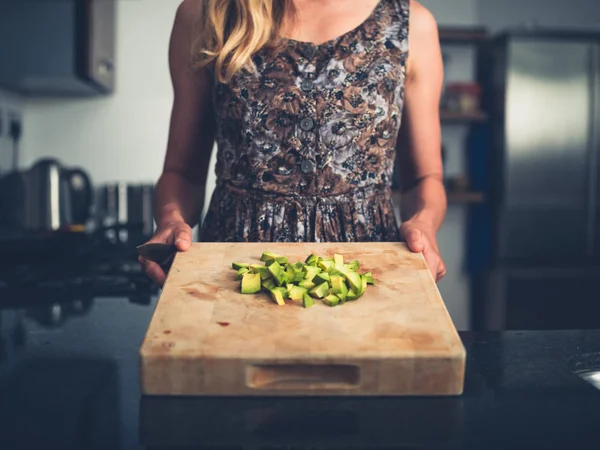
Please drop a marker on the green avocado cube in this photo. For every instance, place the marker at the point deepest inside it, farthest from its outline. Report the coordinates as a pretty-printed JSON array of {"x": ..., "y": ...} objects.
[
  {"x": 290, "y": 273},
  {"x": 352, "y": 295},
  {"x": 281, "y": 259},
  {"x": 240, "y": 273},
  {"x": 268, "y": 283},
  {"x": 264, "y": 272},
  {"x": 277, "y": 296},
  {"x": 320, "y": 290},
  {"x": 311, "y": 272},
  {"x": 338, "y": 284},
  {"x": 277, "y": 272},
  {"x": 338, "y": 260},
  {"x": 284, "y": 291},
  {"x": 355, "y": 281},
  {"x": 354, "y": 265},
  {"x": 331, "y": 300},
  {"x": 307, "y": 301},
  {"x": 238, "y": 265},
  {"x": 299, "y": 275},
  {"x": 269, "y": 256},
  {"x": 333, "y": 270},
  {"x": 250, "y": 283},
  {"x": 307, "y": 284},
  {"x": 369, "y": 277},
  {"x": 342, "y": 297},
  {"x": 325, "y": 265},
  {"x": 296, "y": 292},
  {"x": 299, "y": 266},
  {"x": 363, "y": 280},
  {"x": 321, "y": 278},
  {"x": 311, "y": 260}
]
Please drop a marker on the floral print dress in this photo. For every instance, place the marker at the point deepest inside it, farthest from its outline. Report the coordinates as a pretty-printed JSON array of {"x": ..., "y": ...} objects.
[{"x": 307, "y": 143}]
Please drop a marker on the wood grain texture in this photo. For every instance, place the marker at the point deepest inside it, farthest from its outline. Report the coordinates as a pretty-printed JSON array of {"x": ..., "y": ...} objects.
[{"x": 206, "y": 338}]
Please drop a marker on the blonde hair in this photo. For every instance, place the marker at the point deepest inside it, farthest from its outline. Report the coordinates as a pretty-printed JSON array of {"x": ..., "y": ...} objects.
[{"x": 230, "y": 32}]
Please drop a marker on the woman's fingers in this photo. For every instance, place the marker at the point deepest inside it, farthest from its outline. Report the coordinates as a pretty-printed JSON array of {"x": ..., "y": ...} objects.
[
  {"x": 414, "y": 239},
  {"x": 182, "y": 237}
]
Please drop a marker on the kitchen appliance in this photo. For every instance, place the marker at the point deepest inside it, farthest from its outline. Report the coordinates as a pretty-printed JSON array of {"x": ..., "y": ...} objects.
[
  {"x": 128, "y": 204},
  {"x": 58, "y": 48},
  {"x": 46, "y": 197},
  {"x": 206, "y": 338},
  {"x": 544, "y": 105}
]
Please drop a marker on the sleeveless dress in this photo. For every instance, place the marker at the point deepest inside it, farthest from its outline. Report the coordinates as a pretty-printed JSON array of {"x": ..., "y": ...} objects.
[{"x": 307, "y": 143}]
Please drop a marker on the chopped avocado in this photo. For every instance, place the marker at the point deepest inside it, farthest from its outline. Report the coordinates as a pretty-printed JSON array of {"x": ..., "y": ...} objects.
[
  {"x": 284, "y": 291},
  {"x": 354, "y": 281},
  {"x": 352, "y": 295},
  {"x": 250, "y": 283},
  {"x": 333, "y": 270},
  {"x": 307, "y": 301},
  {"x": 342, "y": 296},
  {"x": 321, "y": 277},
  {"x": 299, "y": 276},
  {"x": 354, "y": 265},
  {"x": 307, "y": 284},
  {"x": 269, "y": 256},
  {"x": 241, "y": 272},
  {"x": 369, "y": 277},
  {"x": 311, "y": 272},
  {"x": 264, "y": 272},
  {"x": 299, "y": 266},
  {"x": 238, "y": 265},
  {"x": 296, "y": 292},
  {"x": 338, "y": 260},
  {"x": 290, "y": 273},
  {"x": 281, "y": 259},
  {"x": 268, "y": 284},
  {"x": 277, "y": 272},
  {"x": 331, "y": 300},
  {"x": 320, "y": 290},
  {"x": 311, "y": 260},
  {"x": 277, "y": 296},
  {"x": 325, "y": 265},
  {"x": 363, "y": 279},
  {"x": 338, "y": 284}
]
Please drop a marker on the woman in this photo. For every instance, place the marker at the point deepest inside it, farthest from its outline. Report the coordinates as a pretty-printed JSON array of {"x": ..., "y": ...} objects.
[{"x": 309, "y": 102}]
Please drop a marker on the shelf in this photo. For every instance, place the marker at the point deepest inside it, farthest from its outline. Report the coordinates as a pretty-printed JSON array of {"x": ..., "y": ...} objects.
[
  {"x": 457, "y": 116},
  {"x": 462, "y": 35}
]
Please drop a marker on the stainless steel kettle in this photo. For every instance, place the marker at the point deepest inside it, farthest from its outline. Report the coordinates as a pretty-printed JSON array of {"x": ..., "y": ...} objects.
[{"x": 47, "y": 197}]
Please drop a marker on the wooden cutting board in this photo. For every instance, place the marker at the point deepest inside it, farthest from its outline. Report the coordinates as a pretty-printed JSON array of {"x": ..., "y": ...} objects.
[{"x": 206, "y": 338}]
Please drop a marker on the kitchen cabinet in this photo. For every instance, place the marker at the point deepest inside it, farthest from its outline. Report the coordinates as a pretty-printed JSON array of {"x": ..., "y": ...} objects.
[{"x": 58, "y": 48}]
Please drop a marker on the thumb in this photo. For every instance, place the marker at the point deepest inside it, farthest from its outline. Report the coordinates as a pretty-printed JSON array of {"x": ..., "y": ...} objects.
[
  {"x": 182, "y": 237},
  {"x": 414, "y": 239}
]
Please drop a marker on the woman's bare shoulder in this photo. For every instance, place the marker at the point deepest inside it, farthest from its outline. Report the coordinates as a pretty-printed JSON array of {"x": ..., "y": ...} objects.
[
  {"x": 188, "y": 13},
  {"x": 422, "y": 21}
]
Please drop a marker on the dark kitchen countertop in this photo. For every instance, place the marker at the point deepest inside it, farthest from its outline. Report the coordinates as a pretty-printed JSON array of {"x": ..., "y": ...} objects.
[{"x": 75, "y": 386}]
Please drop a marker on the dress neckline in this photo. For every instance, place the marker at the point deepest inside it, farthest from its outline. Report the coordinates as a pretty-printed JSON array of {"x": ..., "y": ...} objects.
[{"x": 336, "y": 39}]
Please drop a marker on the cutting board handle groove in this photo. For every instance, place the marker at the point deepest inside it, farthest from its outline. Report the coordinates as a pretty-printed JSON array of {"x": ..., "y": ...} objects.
[{"x": 307, "y": 377}]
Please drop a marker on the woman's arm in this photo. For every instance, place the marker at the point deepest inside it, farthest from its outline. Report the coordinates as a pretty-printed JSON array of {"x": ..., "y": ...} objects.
[
  {"x": 179, "y": 192},
  {"x": 419, "y": 143},
  {"x": 181, "y": 187}
]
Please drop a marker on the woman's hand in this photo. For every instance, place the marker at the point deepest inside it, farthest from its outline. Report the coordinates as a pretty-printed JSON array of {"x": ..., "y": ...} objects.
[
  {"x": 420, "y": 238},
  {"x": 178, "y": 233}
]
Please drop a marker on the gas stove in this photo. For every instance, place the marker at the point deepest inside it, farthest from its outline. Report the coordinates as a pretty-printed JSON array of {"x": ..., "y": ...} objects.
[{"x": 69, "y": 272}]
